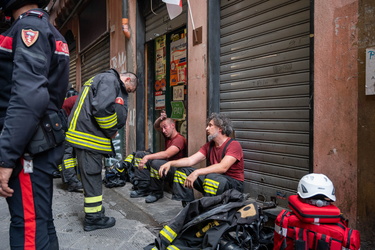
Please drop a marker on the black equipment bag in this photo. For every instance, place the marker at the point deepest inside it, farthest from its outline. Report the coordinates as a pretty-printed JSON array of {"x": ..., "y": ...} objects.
[{"x": 223, "y": 222}]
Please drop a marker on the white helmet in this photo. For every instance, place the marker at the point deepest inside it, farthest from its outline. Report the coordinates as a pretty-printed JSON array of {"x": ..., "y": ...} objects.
[{"x": 312, "y": 185}]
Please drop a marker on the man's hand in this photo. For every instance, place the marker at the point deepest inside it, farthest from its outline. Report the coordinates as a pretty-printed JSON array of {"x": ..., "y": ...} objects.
[
  {"x": 163, "y": 115},
  {"x": 163, "y": 170},
  {"x": 189, "y": 182},
  {"x": 142, "y": 162},
  {"x": 5, "y": 190}
]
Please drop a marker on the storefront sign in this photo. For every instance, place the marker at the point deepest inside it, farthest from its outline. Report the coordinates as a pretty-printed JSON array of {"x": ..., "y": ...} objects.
[{"x": 370, "y": 71}]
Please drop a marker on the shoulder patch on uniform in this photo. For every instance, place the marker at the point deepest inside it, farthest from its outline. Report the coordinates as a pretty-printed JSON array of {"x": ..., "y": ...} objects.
[{"x": 29, "y": 37}]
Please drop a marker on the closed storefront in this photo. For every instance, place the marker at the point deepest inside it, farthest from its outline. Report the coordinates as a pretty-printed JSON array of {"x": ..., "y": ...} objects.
[
  {"x": 265, "y": 90},
  {"x": 95, "y": 59},
  {"x": 166, "y": 48}
]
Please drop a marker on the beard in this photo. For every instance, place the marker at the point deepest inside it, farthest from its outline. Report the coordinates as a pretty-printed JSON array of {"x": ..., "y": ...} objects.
[{"x": 211, "y": 137}]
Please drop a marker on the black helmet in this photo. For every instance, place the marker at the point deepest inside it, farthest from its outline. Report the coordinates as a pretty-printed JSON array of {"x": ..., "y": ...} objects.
[
  {"x": 71, "y": 92},
  {"x": 8, "y": 5}
]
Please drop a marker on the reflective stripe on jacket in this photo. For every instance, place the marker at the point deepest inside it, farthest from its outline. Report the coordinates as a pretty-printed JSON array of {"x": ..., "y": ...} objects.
[{"x": 96, "y": 117}]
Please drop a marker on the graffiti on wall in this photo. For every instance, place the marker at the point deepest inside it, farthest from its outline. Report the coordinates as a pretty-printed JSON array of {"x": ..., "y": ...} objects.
[{"x": 118, "y": 62}]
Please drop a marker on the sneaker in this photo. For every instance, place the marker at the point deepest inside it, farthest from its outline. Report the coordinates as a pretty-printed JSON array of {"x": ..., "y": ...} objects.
[
  {"x": 138, "y": 193},
  {"x": 153, "y": 197}
]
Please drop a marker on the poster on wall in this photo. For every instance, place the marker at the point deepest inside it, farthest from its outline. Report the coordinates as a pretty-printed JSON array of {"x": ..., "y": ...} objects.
[
  {"x": 178, "y": 110},
  {"x": 160, "y": 69},
  {"x": 178, "y": 61},
  {"x": 178, "y": 93}
]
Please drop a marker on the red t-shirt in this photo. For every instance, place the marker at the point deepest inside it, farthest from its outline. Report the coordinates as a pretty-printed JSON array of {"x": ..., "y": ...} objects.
[
  {"x": 69, "y": 103},
  {"x": 178, "y": 141},
  {"x": 234, "y": 149}
]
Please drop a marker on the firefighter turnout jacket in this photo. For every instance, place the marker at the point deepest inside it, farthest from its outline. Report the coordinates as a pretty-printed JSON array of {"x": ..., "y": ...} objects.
[
  {"x": 34, "y": 65},
  {"x": 96, "y": 116}
]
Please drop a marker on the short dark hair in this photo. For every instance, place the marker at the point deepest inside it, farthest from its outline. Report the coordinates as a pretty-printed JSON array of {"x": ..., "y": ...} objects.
[
  {"x": 221, "y": 121},
  {"x": 132, "y": 76}
]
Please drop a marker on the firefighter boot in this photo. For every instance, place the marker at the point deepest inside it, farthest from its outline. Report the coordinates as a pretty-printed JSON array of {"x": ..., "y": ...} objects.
[{"x": 97, "y": 220}]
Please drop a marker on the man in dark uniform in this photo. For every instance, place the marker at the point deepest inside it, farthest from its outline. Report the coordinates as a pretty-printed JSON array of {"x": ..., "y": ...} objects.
[
  {"x": 34, "y": 63},
  {"x": 99, "y": 112}
]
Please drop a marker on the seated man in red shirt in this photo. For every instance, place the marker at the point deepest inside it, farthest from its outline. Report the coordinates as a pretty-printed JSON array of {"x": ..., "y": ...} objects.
[
  {"x": 225, "y": 169},
  {"x": 146, "y": 178}
]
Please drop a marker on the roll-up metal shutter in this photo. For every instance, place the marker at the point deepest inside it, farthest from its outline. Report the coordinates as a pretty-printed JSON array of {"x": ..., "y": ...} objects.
[
  {"x": 158, "y": 22},
  {"x": 95, "y": 59},
  {"x": 265, "y": 90},
  {"x": 72, "y": 68}
]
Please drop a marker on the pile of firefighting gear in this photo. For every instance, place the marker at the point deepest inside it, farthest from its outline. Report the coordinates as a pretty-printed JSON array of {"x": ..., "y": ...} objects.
[
  {"x": 224, "y": 222},
  {"x": 118, "y": 173}
]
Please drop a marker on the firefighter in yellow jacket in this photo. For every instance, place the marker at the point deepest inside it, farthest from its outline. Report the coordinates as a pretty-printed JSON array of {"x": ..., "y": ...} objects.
[{"x": 99, "y": 112}]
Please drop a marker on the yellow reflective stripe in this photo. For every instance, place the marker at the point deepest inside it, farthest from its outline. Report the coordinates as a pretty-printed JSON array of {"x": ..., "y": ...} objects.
[
  {"x": 172, "y": 247},
  {"x": 94, "y": 199},
  {"x": 168, "y": 233},
  {"x": 210, "y": 186},
  {"x": 154, "y": 248},
  {"x": 89, "y": 141},
  {"x": 129, "y": 158},
  {"x": 107, "y": 122},
  {"x": 137, "y": 161},
  {"x": 60, "y": 167},
  {"x": 179, "y": 177},
  {"x": 154, "y": 173},
  {"x": 70, "y": 163},
  {"x": 209, "y": 190},
  {"x": 93, "y": 209},
  {"x": 77, "y": 111}
]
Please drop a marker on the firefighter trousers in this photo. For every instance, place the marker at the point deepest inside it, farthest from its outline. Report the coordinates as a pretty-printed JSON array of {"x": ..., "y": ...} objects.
[
  {"x": 208, "y": 185},
  {"x": 90, "y": 168},
  {"x": 141, "y": 179},
  {"x": 157, "y": 182}
]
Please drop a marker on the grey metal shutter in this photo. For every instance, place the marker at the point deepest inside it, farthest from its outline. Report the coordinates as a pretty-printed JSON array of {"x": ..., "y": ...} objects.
[
  {"x": 265, "y": 90},
  {"x": 95, "y": 59},
  {"x": 158, "y": 22}
]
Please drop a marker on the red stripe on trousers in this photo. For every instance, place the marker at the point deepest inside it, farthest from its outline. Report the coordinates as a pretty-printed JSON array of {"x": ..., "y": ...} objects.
[{"x": 28, "y": 210}]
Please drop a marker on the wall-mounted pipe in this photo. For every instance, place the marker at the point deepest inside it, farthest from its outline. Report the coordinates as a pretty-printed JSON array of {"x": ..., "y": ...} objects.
[{"x": 125, "y": 19}]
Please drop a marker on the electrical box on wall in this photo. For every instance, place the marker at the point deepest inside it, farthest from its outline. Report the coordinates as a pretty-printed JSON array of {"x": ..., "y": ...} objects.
[{"x": 370, "y": 71}]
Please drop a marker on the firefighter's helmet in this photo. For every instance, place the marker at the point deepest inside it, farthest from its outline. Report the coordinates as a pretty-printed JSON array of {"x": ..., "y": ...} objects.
[{"x": 316, "y": 186}]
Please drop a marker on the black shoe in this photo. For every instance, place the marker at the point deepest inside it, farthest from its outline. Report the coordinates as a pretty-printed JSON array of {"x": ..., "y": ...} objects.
[
  {"x": 151, "y": 198},
  {"x": 91, "y": 224},
  {"x": 138, "y": 193},
  {"x": 77, "y": 187}
]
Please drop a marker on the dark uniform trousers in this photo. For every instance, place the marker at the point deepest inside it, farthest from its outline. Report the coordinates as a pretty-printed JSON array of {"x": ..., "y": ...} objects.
[
  {"x": 31, "y": 204},
  {"x": 90, "y": 169},
  {"x": 157, "y": 182},
  {"x": 208, "y": 185},
  {"x": 141, "y": 179}
]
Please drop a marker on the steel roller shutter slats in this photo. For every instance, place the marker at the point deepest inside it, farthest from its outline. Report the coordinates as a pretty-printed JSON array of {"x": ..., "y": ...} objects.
[
  {"x": 96, "y": 59},
  {"x": 265, "y": 90}
]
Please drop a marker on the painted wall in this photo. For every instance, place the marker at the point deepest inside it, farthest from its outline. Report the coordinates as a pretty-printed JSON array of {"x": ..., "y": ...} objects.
[
  {"x": 336, "y": 99},
  {"x": 197, "y": 78}
]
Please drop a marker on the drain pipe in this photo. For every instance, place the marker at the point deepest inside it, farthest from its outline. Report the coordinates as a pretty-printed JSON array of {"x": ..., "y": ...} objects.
[{"x": 125, "y": 20}]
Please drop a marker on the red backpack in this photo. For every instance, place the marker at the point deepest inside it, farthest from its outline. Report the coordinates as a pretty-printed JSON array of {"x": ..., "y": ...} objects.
[{"x": 296, "y": 230}]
